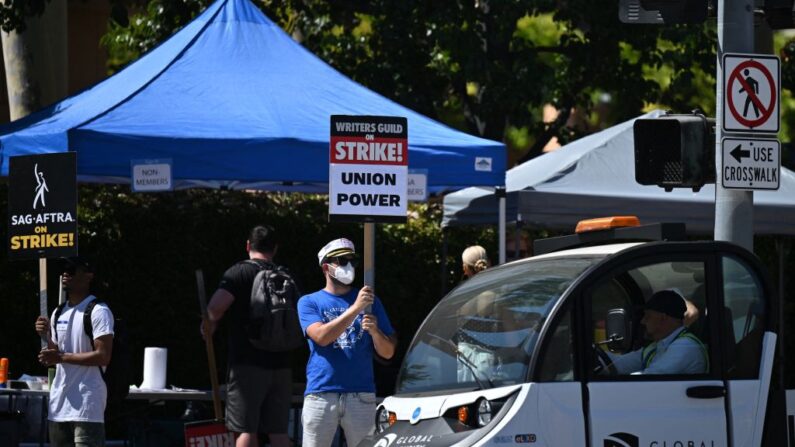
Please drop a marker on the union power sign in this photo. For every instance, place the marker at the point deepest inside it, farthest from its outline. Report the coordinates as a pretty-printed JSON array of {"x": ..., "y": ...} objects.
[
  {"x": 42, "y": 206},
  {"x": 368, "y": 169}
]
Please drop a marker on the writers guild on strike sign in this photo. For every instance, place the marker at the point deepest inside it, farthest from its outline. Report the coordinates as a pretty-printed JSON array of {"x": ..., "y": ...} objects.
[
  {"x": 368, "y": 169},
  {"x": 42, "y": 206}
]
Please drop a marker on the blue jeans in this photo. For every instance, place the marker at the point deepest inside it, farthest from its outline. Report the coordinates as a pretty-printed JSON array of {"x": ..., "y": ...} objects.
[{"x": 323, "y": 412}]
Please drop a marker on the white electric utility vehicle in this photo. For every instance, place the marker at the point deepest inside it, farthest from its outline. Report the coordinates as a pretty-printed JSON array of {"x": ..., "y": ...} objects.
[{"x": 520, "y": 353}]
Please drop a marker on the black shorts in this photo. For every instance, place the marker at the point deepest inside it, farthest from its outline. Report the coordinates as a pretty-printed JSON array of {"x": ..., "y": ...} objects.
[{"x": 258, "y": 399}]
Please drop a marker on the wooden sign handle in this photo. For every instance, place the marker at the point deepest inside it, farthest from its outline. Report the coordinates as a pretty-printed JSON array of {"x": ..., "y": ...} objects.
[{"x": 208, "y": 340}]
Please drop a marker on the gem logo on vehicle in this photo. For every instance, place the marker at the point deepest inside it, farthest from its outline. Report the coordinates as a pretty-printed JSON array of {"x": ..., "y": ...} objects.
[
  {"x": 622, "y": 440},
  {"x": 386, "y": 441},
  {"x": 415, "y": 417}
]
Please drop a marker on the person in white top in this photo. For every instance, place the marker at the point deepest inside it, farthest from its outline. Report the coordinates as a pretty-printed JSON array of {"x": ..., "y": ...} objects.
[{"x": 78, "y": 393}]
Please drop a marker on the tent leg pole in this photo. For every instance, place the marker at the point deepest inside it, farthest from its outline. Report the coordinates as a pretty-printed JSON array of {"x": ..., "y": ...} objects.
[
  {"x": 500, "y": 192},
  {"x": 516, "y": 235}
]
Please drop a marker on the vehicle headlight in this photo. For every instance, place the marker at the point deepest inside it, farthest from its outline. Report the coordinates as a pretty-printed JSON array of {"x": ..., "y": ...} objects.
[
  {"x": 484, "y": 412},
  {"x": 383, "y": 419}
]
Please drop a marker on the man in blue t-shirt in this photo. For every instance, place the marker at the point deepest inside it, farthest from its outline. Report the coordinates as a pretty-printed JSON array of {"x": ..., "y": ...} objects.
[{"x": 344, "y": 326}]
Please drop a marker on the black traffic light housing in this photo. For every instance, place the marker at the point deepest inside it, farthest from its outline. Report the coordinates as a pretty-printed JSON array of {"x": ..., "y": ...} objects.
[
  {"x": 780, "y": 14},
  {"x": 675, "y": 151},
  {"x": 662, "y": 12}
]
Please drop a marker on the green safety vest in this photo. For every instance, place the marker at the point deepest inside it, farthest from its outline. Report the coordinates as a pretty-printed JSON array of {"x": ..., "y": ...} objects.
[{"x": 650, "y": 351}]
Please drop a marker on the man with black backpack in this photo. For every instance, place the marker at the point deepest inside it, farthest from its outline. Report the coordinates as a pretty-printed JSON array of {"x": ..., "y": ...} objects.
[
  {"x": 78, "y": 393},
  {"x": 262, "y": 299}
]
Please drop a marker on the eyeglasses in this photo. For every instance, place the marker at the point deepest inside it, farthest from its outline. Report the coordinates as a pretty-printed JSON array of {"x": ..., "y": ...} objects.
[{"x": 343, "y": 261}]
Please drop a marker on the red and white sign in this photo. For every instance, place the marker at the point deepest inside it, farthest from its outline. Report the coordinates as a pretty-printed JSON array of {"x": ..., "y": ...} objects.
[
  {"x": 752, "y": 93},
  {"x": 208, "y": 434},
  {"x": 368, "y": 169}
]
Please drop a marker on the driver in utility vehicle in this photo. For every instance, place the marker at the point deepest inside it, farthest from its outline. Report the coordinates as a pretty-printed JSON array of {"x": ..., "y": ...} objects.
[{"x": 674, "y": 350}]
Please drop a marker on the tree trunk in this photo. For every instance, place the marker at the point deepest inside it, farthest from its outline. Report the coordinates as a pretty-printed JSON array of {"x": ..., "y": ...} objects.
[{"x": 35, "y": 61}]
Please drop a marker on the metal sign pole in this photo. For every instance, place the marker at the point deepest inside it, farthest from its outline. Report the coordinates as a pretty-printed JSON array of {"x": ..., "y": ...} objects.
[
  {"x": 43, "y": 296},
  {"x": 734, "y": 210},
  {"x": 369, "y": 258}
]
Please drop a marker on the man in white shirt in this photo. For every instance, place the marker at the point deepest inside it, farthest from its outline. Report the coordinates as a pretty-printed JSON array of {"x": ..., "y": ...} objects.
[
  {"x": 78, "y": 393},
  {"x": 674, "y": 350}
]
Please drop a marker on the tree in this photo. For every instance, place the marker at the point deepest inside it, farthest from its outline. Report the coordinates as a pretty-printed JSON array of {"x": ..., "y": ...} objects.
[
  {"x": 14, "y": 13},
  {"x": 32, "y": 79},
  {"x": 787, "y": 55},
  {"x": 788, "y": 65},
  {"x": 484, "y": 66}
]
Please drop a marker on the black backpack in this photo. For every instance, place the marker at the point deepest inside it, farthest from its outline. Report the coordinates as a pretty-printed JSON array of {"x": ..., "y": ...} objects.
[
  {"x": 117, "y": 374},
  {"x": 273, "y": 323}
]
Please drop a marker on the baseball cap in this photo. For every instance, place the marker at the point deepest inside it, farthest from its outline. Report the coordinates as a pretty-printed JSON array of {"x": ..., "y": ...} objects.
[
  {"x": 337, "y": 247},
  {"x": 669, "y": 302},
  {"x": 79, "y": 262}
]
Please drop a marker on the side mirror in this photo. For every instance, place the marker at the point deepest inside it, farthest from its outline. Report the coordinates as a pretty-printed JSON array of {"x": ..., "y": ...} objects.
[{"x": 618, "y": 330}]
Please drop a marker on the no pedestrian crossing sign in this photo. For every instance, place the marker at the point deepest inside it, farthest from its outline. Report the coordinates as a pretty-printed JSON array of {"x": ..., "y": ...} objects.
[
  {"x": 751, "y": 164},
  {"x": 752, "y": 93},
  {"x": 368, "y": 169}
]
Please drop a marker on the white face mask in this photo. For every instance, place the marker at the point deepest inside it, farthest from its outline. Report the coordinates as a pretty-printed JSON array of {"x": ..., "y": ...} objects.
[{"x": 345, "y": 274}]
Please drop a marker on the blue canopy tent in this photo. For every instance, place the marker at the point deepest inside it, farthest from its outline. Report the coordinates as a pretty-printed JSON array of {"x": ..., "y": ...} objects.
[
  {"x": 594, "y": 177},
  {"x": 234, "y": 102}
]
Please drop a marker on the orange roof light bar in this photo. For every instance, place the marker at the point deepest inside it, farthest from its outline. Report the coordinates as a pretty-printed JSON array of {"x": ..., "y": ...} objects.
[{"x": 606, "y": 223}]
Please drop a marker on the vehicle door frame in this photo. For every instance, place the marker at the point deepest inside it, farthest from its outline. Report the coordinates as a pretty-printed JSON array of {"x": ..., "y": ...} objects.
[{"x": 774, "y": 431}]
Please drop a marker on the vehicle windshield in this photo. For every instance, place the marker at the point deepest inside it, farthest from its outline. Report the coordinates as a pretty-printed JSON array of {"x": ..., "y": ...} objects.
[{"x": 482, "y": 334}]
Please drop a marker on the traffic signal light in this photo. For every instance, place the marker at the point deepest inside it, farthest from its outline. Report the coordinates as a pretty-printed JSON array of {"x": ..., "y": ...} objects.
[
  {"x": 780, "y": 14},
  {"x": 662, "y": 12},
  {"x": 675, "y": 151}
]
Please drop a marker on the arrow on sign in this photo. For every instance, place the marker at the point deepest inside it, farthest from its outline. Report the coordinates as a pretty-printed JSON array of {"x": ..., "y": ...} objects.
[{"x": 739, "y": 154}]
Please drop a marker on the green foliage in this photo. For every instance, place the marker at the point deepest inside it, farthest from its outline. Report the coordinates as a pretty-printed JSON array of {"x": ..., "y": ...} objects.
[
  {"x": 787, "y": 55},
  {"x": 130, "y": 37},
  {"x": 786, "y": 51},
  {"x": 13, "y": 13},
  {"x": 484, "y": 66}
]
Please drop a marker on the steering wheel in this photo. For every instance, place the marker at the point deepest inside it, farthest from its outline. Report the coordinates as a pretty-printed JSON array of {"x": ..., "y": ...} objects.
[{"x": 603, "y": 362}]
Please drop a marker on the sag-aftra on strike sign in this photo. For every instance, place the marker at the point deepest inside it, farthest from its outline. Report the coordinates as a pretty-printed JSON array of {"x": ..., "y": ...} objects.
[
  {"x": 368, "y": 169},
  {"x": 42, "y": 206}
]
